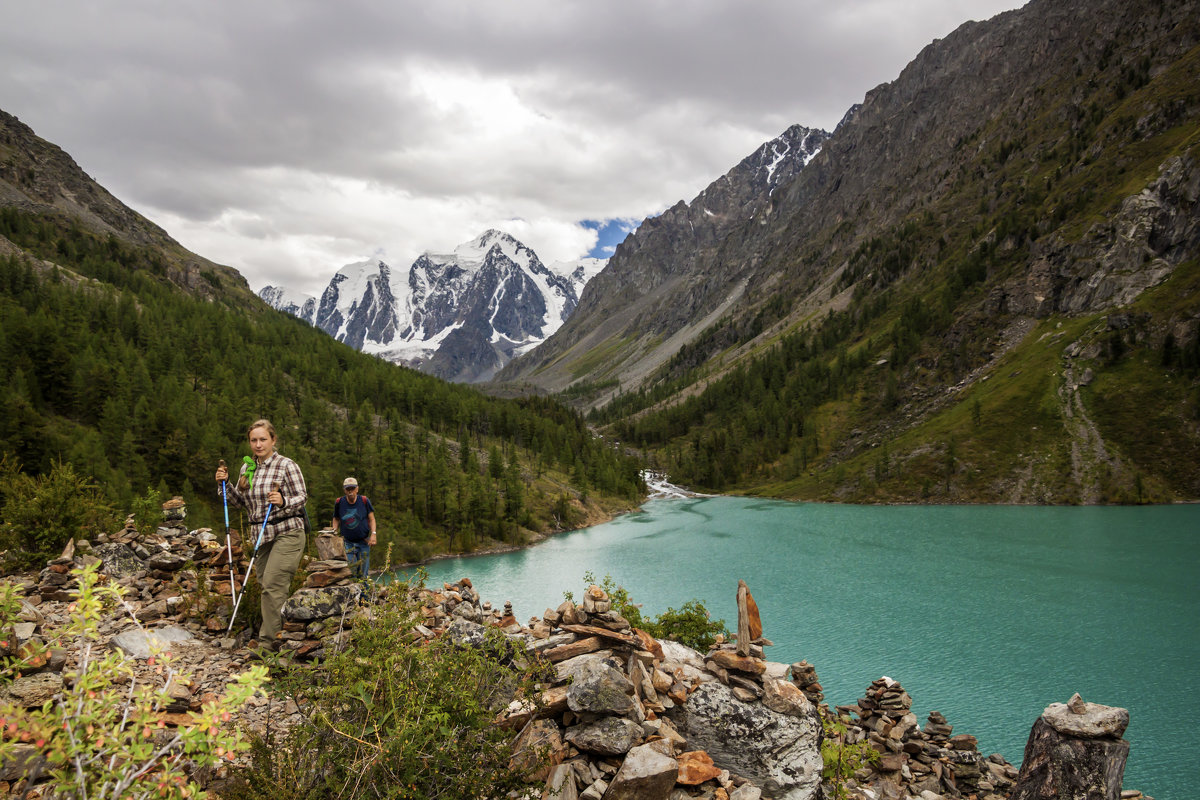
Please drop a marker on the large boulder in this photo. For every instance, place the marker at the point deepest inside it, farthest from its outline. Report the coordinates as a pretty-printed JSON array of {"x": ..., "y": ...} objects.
[
  {"x": 779, "y": 752},
  {"x": 118, "y": 560},
  {"x": 600, "y": 689},
  {"x": 1074, "y": 752},
  {"x": 140, "y": 643},
  {"x": 608, "y": 736},
  {"x": 646, "y": 774},
  {"x": 307, "y": 605}
]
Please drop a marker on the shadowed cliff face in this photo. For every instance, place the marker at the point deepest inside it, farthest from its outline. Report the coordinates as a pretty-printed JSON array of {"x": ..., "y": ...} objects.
[{"x": 961, "y": 139}]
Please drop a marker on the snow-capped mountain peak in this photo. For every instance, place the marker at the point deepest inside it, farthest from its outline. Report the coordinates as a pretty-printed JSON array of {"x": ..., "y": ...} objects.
[
  {"x": 471, "y": 255},
  {"x": 461, "y": 315}
]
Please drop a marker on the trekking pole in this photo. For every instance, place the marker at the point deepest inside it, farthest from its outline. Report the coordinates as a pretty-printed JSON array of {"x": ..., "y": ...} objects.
[
  {"x": 228, "y": 546},
  {"x": 250, "y": 566}
]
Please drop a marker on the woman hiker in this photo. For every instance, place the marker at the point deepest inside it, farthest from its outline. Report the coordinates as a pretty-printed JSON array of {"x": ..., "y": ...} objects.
[
  {"x": 271, "y": 480},
  {"x": 354, "y": 518}
]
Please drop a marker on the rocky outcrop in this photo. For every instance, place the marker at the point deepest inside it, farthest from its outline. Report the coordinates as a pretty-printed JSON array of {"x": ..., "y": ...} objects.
[
  {"x": 1075, "y": 752},
  {"x": 643, "y": 718},
  {"x": 39, "y": 177},
  {"x": 670, "y": 272},
  {"x": 778, "y": 751},
  {"x": 1118, "y": 259}
]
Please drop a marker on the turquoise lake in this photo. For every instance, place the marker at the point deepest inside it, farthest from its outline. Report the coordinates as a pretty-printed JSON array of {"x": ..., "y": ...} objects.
[{"x": 985, "y": 613}]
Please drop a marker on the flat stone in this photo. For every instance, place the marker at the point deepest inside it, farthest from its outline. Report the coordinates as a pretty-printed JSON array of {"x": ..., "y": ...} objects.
[
  {"x": 609, "y": 736},
  {"x": 785, "y": 697},
  {"x": 605, "y": 633},
  {"x": 167, "y": 561},
  {"x": 32, "y": 691},
  {"x": 578, "y": 648},
  {"x": 696, "y": 767},
  {"x": 550, "y": 642},
  {"x": 728, "y": 659},
  {"x": 139, "y": 644},
  {"x": 1096, "y": 722}
]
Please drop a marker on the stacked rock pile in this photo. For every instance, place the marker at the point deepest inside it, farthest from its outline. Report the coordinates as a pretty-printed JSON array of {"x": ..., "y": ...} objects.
[
  {"x": 331, "y": 567},
  {"x": 804, "y": 675},
  {"x": 627, "y": 716},
  {"x": 154, "y": 567},
  {"x": 927, "y": 763},
  {"x": 317, "y": 620}
]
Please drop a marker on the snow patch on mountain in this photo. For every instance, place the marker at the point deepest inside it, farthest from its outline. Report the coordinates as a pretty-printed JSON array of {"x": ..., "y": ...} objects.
[{"x": 296, "y": 303}]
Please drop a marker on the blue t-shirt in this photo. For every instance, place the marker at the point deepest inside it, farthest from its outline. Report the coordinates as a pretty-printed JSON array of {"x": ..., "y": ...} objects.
[{"x": 352, "y": 519}]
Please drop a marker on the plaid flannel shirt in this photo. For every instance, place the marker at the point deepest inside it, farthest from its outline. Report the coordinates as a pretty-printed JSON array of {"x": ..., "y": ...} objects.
[{"x": 276, "y": 469}]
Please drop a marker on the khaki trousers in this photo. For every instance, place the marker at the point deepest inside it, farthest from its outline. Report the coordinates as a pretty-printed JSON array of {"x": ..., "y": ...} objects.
[{"x": 277, "y": 563}]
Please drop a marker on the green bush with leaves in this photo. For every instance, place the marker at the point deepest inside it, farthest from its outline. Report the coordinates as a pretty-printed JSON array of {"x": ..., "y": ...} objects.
[
  {"x": 393, "y": 718},
  {"x": 691, "y": 625},
  {"x": 101, "y": 740},
  {"x": 40, "y": 514}
]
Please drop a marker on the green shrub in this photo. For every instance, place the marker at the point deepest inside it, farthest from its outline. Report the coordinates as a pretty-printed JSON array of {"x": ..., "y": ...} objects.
[
  {"x": 147, "y": 510},
  {"x": 392, "y": 718},
  {"x": 840, "y": 760},
  {"x": 691, "y": 625},
  {"x": 102, "y": 739},
  {"x": 40, "y": 514}
]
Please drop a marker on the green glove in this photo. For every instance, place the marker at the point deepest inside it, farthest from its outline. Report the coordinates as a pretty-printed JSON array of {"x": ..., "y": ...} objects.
[{"x": 251, "y": 465}]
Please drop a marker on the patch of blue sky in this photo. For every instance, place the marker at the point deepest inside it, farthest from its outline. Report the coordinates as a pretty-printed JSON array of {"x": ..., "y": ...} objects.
[{"x": 609, "y": 234}]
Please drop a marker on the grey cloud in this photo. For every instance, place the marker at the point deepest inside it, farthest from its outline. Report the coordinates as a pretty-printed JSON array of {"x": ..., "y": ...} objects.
[{"x": 260, "y": 110}]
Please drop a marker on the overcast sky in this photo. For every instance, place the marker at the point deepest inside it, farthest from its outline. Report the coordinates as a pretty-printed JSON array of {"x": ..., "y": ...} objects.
[{"x": 288, "y": 138}]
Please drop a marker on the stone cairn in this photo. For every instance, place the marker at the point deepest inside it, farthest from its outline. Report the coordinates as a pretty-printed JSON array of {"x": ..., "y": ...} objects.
[
  {"x": 183, "y": 575},
  {"x": 156, "y": 568},
  {"x": 918, "y": 762},
  {"x": 626, "y": 716}
]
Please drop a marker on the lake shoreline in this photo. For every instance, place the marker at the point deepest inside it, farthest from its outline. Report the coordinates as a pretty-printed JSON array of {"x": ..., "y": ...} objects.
[
  {"x": 683, "y": 494},
  {"x": 660, "y": 489}
]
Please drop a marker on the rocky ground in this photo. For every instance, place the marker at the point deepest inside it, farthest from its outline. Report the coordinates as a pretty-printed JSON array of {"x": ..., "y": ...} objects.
[{"x": 625, "y": 715}]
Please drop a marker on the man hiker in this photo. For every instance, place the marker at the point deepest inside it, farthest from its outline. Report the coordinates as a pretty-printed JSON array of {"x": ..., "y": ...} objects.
[{"x": 354, "y": 518}]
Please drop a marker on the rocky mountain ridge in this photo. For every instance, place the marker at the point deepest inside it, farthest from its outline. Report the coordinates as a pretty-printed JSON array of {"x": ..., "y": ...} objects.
[
  {"x": 664, "y": 281},
  {"x": 1039, "y": 165},
  {"x": 460, "y": 315}
]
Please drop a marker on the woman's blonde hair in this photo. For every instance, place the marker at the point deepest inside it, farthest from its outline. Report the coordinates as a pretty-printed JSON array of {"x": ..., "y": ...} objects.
[{"x": 261, "y": 423}]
